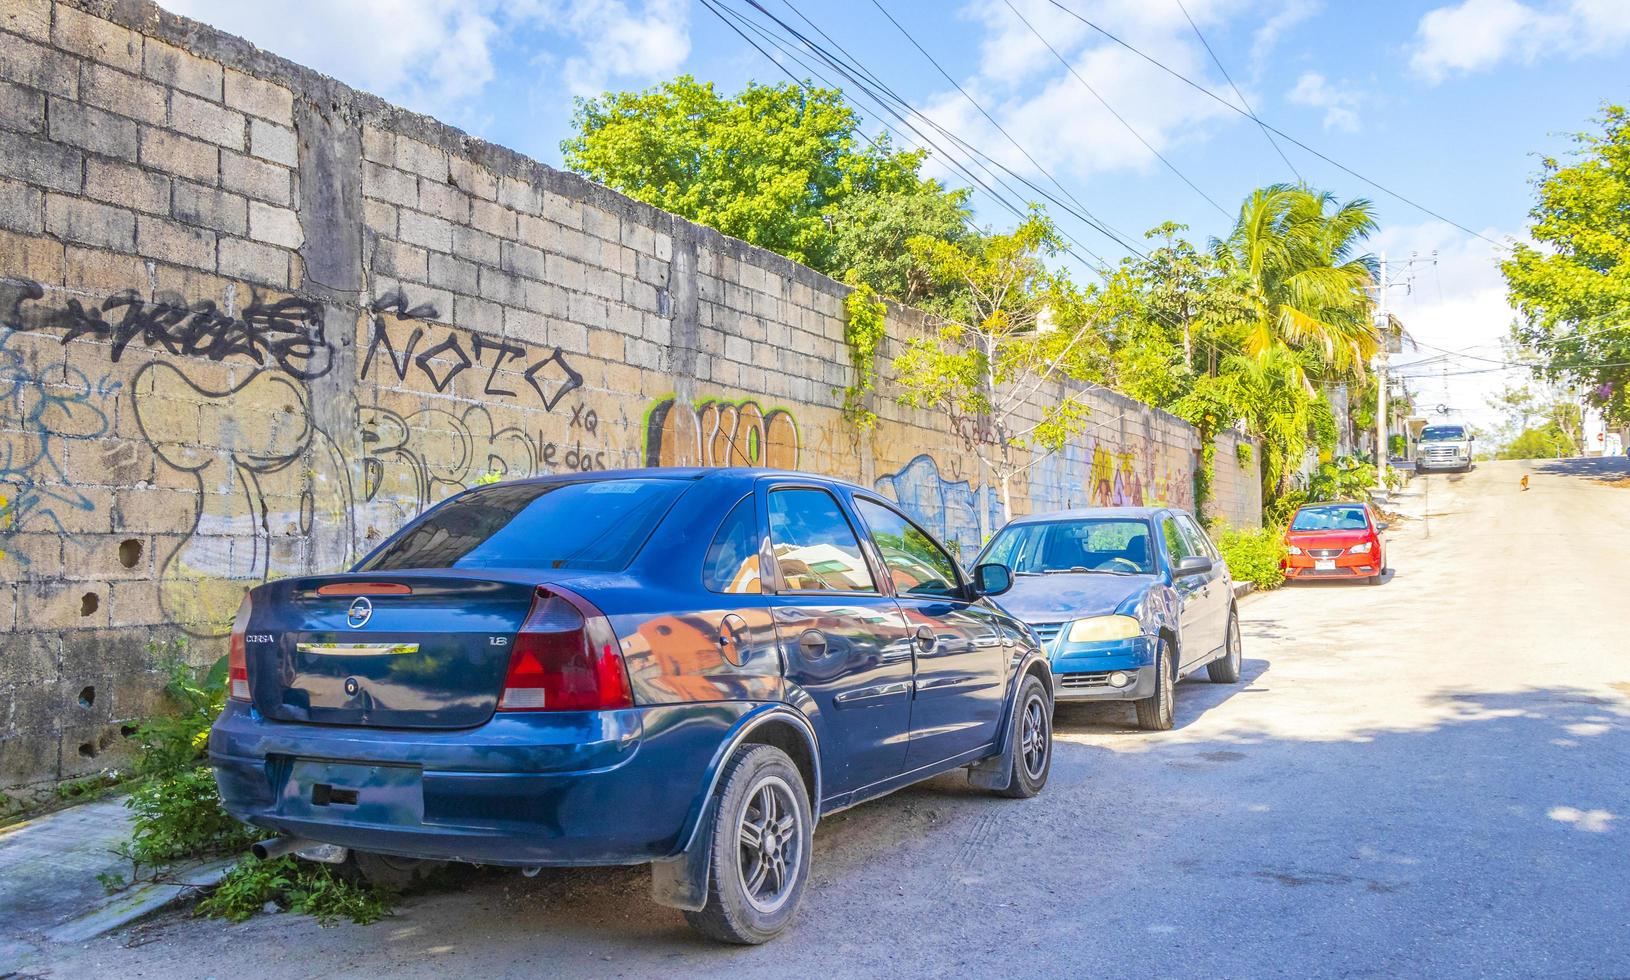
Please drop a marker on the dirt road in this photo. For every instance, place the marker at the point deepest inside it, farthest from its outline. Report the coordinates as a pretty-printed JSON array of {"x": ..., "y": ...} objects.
[{"x": 1428, "y": 778}]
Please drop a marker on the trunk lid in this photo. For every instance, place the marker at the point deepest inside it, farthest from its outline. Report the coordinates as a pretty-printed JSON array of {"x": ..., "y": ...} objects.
[{"x": 384, "y": 649}]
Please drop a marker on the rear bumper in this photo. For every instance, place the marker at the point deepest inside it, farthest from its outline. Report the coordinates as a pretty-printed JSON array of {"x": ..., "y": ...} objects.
[
  {"x": 1083, "y": 671},
  {"x": 555, "y": 788}
]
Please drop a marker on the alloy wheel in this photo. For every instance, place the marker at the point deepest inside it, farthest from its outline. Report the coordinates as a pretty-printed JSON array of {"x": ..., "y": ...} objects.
[
  {"x": 1034, "y": 742},
  {"x": 770, "y": 837}
]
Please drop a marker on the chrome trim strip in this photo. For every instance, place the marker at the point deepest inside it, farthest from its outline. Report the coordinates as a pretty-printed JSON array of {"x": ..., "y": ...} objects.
[{"x": 357, "y": 649}]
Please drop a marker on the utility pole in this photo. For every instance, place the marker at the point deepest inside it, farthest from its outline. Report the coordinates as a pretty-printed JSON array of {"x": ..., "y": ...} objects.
[{"x": 1381, "y": 384}]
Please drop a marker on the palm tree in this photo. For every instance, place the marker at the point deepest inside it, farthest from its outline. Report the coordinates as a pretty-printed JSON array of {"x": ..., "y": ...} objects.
[{"x": 1295, "y": 252}]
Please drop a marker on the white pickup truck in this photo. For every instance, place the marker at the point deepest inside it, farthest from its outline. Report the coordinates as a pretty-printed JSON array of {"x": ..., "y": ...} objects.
[{"x": 1444, "y": 447}]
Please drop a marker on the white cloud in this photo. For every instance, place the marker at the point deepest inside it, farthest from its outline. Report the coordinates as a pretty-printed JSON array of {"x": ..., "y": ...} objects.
[
  {"x": 1340, "y": 105},
  {"x": 1053, "y": 116},
  {"x": 1475, "y": 35},
  {"x": 436, "y": 56},
  {"x": 1277, "y": 26}
]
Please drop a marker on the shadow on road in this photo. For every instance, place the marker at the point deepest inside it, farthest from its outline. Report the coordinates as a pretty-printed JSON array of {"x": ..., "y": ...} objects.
[{"x": 1613, "y": 470}]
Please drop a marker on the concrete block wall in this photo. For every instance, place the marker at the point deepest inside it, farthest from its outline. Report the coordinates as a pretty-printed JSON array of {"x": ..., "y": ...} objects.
[{"x": 252, "y": 320}]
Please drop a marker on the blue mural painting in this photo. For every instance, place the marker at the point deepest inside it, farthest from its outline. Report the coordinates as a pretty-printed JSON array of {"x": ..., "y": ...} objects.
[{"x": 947, "y": 508}]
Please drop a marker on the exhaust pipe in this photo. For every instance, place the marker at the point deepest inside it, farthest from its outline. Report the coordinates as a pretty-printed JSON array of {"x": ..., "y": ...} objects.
[{"x": 276, "y": 847}]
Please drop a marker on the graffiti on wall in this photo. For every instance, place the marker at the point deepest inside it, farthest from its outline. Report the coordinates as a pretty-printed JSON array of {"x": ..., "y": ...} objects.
[
  {"x": 1108, "y": 476},
  {"x": 286, "y": 332},
  {"x": 43, "y": 407},
  {"x": 947, "y": 507},
  {"x": 273, "y": 490},
  {"x": 504, "y": 366},
  {"x": 717, "y": 432}
]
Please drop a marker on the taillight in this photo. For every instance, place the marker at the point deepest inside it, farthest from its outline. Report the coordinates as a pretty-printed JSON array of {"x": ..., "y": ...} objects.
[
  {"x": 237, "y": 659},
  {"x": 565, "y": 658}
]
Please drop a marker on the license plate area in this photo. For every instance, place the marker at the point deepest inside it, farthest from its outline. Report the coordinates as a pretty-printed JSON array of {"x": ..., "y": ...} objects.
[
  {"x": 1324, "y": 564},
  {"x": 348, "y": 792}
]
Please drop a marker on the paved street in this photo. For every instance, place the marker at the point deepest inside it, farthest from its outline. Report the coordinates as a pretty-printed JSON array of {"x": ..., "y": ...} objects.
[{"x": 1430, "y": 778}]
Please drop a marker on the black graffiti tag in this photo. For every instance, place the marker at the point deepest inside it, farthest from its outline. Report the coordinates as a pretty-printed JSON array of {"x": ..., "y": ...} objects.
[{"x": 287, "y": 332}]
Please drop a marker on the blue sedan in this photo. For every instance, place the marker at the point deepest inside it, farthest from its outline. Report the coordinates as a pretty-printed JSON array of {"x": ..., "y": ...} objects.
[
  {"x": 1126, "y": 600},
  {"x": 686, "y": 668}
]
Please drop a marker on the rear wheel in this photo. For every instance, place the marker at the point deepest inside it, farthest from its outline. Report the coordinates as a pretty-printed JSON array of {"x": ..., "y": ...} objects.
[
  {"x": 1155, "y": 712},
  {"x": 1226, "y": 670},
  {"x": 760, "y": 839},
  {"x": 1032, "y": 741}
]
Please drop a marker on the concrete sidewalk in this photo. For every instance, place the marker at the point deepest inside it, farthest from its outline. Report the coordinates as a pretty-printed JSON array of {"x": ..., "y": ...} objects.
[
  {"x": 49, "y": 868},
  {"x": 51, "y": 890}
]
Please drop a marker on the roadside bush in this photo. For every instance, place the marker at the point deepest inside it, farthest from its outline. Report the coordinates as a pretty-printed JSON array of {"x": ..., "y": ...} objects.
[{"x": 1253, "y": 556}]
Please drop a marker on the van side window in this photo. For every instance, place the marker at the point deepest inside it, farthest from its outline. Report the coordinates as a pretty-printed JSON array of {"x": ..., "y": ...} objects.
[{"x": 732, "y": 559}]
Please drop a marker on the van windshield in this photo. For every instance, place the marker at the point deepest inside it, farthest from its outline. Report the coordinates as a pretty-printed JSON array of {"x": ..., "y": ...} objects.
[
  {"x": 1443, "y": 433},
  {"x": 592, "y": 524}
]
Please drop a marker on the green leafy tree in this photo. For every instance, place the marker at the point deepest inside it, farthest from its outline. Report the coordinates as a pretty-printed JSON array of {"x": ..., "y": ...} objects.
[
  {"x": 1573, "y": 287},
  {"x": 780, "y": 166},
  {"x": 871, "y": 232},
  {"x": 1015, "y": 328}
]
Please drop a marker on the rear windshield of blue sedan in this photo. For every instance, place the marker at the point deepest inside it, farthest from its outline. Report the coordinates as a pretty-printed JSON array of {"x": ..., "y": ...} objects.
[
  {"x": 596, "y": 525},
  {"x": 1088, "y": 545},
  {"x": 1337, "y": 518}
]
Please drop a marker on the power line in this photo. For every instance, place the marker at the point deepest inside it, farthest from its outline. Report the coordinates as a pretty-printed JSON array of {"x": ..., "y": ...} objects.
[
  {"x": 1122, "y": 119},
  {"x": 1276, "y": 130},
  {"x": 1251, "y": 112}
]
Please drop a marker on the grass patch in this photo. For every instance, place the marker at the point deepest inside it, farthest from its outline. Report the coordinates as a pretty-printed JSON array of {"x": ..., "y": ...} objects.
[{"x": 293, "y": 886}]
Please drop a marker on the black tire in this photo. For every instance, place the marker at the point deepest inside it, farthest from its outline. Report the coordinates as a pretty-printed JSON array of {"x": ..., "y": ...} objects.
[
  {"x": 752, "y": 903},
  {"x": 1226, "y": 670},
  {"x": 396, "y": 874},
  {"x": 1377, "y": 578},
  {"x": 1156, "y": 713},
  {"x": 1032, "y": 736}
]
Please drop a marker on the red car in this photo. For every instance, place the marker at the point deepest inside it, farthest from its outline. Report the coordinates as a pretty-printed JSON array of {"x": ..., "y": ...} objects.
[{"x": 1335, "y": 541}]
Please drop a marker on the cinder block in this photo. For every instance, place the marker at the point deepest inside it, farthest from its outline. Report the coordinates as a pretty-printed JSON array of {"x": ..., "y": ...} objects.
[
  {"x": 519, "y": 195},
  {"x": 207, "y": 121},
  {"x": 133, "y": 187},
  {"x": 39, "y": 161},
  {"x": 272, "y": 142},
  {"x": 126, "y": 95},
  {"x": 208, "y": 207},
  {"x": 443, "y": 201},
  {"x": 453, "y": 274},
  {"x": 51, "y": 71},
  {"x": 259, "y": 98},
  {"x": 30, "y": 18},
  {"x": 420, "y": 158},
  {"x": 256, "y": 178},
  {"x": 523, "y": 260},
  {"x": 423, "y": 229},
  {"x": 181, "y": 69},
  {"x": 101, "y": 272},
  {"x": 97, "y": 39},
  {"x": 378, "y": 145},
  {"x": 21, "y": 207},
  {"x": 39, "y": 259},
  {"x": 21, "y": 109},
  {"x": 93, "y": 129},
  {"x": 78, "y": 220},
  {"x": 180, "y": 155},
  {"x": 278, "y": 226},
  {"x": 494, "y": 219},
  {"x": 401, "y": 260},
  {"x": 477, "y": 314},
  {"x": 380, "y": 218},
  {"x": 472, "y": 178},
  {"x": 252, "y": 261},
  {"x": 477, "y": 246},
  {"x": 389, "y": 184},
  {"x": 175, "y": 242}
]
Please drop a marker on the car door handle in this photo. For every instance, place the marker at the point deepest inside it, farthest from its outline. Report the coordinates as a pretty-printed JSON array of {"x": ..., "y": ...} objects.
[
  {"x": 926, "y": 639},
  {"x": 812, "y": 644}
]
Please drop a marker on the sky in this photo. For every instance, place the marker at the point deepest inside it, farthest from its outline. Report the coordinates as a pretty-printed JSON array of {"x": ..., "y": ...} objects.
[{"x": 1448, "y": 103}]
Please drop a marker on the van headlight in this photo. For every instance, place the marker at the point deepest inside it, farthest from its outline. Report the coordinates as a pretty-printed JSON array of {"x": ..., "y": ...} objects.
[{"x": 1101, "y": 628}]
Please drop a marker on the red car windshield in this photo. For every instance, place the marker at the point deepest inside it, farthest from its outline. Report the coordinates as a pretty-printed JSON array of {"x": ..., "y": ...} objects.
[{"x": 1342, "y": 517}]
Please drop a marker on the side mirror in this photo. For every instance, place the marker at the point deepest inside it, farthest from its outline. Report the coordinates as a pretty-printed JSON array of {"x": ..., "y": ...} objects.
[
  {"x": 1382, "y": 526},
  {"x": 1193, "y": 565},
  {"x": 992, "y": 579}
]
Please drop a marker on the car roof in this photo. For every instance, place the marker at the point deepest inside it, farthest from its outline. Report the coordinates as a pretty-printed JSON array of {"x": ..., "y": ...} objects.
[
  {"x": 1079, "y": 513},
  {"x": 714, "y": 473},
  {"x": 1333, "y": 503}
]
